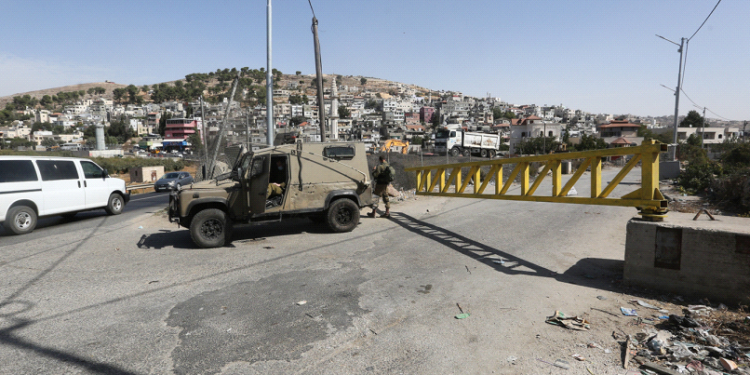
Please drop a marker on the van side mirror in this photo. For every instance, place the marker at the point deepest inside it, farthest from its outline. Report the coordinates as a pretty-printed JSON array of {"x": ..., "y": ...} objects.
[{"x": 105, "y": 174}]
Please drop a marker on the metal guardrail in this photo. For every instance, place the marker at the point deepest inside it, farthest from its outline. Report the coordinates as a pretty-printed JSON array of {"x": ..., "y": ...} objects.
[
  {"x": 140, "y": 186},
  {"x": 647, "y": 199}
]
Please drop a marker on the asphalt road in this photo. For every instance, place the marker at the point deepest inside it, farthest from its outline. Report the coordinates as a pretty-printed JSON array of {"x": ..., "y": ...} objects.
[
  {"x": 55, "y": 225},
  {"x": 131, "y": 294}
]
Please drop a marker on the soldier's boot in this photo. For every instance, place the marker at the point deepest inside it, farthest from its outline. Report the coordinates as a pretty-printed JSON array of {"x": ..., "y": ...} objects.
[{"x": 387, "y": 213}]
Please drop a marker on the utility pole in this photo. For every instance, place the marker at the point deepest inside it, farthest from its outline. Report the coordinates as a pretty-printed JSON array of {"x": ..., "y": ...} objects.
[
  {"x": 703, "y": 125},
  {"x": 672, "y": 153},
  {"x": 319, "y": 80},
  {"x": 269, "y": 80},
  {"x": 204, "y": 136}
]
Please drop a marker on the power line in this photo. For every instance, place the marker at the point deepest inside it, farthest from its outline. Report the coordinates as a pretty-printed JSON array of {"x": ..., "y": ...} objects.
[
  {"x": 313, "y": 10},
  {"x": 684, "y": 67},
  {"x": 719, "y": 116},
  {"x": 704, "y": 22},
  {"x": 700, "y": 106}
]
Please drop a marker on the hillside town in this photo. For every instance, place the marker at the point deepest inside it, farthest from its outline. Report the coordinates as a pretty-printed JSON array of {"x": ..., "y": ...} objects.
[{"x": 357, "y": 108}]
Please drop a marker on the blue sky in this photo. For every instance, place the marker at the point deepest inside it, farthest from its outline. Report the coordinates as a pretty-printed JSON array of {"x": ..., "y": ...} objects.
[{"x": 597, "y": 55}]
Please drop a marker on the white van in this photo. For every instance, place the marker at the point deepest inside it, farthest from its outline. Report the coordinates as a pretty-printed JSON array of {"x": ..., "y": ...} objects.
[{"x": 34, "y": 186}]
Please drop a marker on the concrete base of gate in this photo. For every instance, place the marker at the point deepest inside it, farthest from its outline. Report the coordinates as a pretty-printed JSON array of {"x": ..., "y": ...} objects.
[{"x": 700, "y": 258}]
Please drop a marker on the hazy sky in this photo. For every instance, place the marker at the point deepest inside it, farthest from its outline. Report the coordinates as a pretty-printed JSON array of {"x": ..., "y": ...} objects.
[{"x": 597, "y": 55}]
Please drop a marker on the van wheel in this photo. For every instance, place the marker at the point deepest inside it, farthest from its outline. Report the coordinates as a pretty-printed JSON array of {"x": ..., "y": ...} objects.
[
  {"x": 455, "y": 151},
  {"x": 115, "y": 205},
  {"x": 20, "y": 220},
  {"x": 343, "y": 215},
  {"x": 483, "y": 153},
  {"x": 210, "y": 228}
]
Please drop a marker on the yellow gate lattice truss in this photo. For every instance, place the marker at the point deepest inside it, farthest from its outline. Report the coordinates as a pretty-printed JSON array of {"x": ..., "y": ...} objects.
[{"x": 648, "y": 199}]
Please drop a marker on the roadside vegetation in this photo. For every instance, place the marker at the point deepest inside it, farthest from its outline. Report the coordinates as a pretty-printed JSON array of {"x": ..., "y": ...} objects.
[
  {"x": 726, "y": 180},
  {"x": 112, "y": 165}
]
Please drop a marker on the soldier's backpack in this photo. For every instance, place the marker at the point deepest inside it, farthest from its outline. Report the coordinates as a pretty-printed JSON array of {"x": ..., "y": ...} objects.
[{"x": 390, "y": 174}]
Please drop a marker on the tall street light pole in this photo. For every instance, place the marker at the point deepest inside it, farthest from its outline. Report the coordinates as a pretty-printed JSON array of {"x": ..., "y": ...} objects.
[
  {"x": 319, "y": 80},
  {"x": 672, "y": 153},
  {"x": 269, "y": 79}
]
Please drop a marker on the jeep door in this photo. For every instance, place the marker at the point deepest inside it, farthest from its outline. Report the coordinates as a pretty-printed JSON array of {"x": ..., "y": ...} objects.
[{"x": 257, "y": 182}]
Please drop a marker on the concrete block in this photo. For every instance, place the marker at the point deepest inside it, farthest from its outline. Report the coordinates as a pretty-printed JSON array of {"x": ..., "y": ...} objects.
[
  {"x": 669, "y": 169},
  {"x": 697, "y": 258}
]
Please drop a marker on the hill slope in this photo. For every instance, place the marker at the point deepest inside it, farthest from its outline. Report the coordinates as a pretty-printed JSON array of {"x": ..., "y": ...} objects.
[{"x": 53, "y": 91}]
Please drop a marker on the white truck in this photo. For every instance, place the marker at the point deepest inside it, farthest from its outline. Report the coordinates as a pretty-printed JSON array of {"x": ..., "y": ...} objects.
[{"x": 457, "y": 142}]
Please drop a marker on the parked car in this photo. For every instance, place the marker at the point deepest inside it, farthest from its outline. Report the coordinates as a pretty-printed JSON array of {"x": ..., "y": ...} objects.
[
  {"x": 173, "y": 181},
  {"x": 35, "y": 186}
]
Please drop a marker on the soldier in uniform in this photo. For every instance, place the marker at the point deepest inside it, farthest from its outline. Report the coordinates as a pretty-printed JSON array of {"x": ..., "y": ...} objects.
[
  {"x": 276, "y": 180},
  {"x": 381, "y": 172}
]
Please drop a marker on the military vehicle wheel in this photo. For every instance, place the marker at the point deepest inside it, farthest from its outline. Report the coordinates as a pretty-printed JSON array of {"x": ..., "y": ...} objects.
[
  {"x": 343, "y": 215},
  {"x": 455, "y": 151},
  {"x": 210, "y": 228},
  {"x": 483, "y": 153},
  {"x": 20, "y": 220},
  {"x": 115, "y": 205}
]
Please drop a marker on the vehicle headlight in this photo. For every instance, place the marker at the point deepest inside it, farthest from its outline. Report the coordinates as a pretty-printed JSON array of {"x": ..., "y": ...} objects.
[{"x": 171, "y": 182}]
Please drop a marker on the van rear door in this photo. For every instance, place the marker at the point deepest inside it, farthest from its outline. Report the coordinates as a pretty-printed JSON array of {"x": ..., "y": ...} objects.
[
  {"x": 62, "y": 186},
  {"x": 18, "y": 180}
]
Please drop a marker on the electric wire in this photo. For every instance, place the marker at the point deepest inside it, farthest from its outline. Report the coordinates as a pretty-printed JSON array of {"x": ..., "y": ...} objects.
[
  {"x": 704, "y": 22},
  {"x": 684, "y": 67},
  {"x": 701, "y": 107},
  {"x": 313, "y": 10}
]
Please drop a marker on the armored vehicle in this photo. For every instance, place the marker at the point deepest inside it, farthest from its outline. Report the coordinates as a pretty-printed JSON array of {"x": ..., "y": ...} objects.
[{"x": 327, "y": 182}]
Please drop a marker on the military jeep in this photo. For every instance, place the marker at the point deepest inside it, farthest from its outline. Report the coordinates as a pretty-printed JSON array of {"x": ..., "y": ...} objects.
[{"x": 327, "y": 182}]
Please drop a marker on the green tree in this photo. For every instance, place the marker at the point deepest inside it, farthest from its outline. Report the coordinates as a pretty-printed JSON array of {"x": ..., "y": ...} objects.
[
  {"x": 693, "y": 119},
  {"x": 145, "y": 88},
  {"x": 49, "y": 142},
  {"x": 694, "y": 140},
  {"x": 298, "y": 72},
  {"x": 509, "y": 115},
  {"x": 196, "y": 141},
  {"x": 344, "y": 112},
  {"x": 497, "y": 112},
  {"x": 100, "y": 90},
  {"x": 363, "y": 81},
  {"x": 590, "y": 142},
  {"x": 46, "y": 101},
  {"x": 118, "y": 94},
  {"x": 163, "y": 123},
  {"x": 296, "y": 120},
  {"x": 538, "y": 145},
  {"x": 132, "y": 91},
  {"x": 91, "y": 91}
]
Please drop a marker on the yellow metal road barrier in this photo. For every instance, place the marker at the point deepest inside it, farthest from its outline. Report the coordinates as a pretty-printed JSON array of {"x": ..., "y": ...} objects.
[{"x": 431, "y": 180}]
